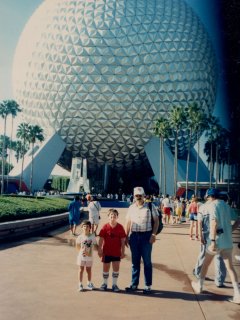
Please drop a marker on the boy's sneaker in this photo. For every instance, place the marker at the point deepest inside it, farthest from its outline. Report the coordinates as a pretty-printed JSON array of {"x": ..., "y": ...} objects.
[
  {"x": 103, "y": 287},
  {"x": 235, "y": 299},
  {"x": 115, "y": 288},
  {"x": 147, "y": 290},
  {"x": 196, "y": 287},
  {"x": 90, "y": 286},
  {"x": 131, "y": 288},
  {"x": 80, "y": 288}
]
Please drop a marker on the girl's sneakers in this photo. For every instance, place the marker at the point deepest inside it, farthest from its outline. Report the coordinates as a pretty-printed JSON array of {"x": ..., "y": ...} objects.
[
  {"x": 90, "y": 286},
  {"x": 80, "y": 288}
]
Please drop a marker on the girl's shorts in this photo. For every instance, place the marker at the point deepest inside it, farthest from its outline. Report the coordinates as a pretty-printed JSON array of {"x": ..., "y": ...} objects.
[
  {"x": 94, "y": 220},
  {"x": 84, "y": 263},
  {"x": 193, "y": 217}
]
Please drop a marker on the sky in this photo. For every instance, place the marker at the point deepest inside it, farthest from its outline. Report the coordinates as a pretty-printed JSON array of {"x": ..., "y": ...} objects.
[{"x": 14, "y": 14}]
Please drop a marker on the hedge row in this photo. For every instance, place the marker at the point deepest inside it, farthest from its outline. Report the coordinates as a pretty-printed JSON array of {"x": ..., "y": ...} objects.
[{"x": 17, "y": 208}]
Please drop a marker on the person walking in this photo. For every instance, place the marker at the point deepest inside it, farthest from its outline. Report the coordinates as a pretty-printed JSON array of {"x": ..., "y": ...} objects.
[
  {"x": 166, "y": 209},
  {"x": 94, "y": 208},
  {"x": 192, "y": 212},
  {"x": 84, "y": 244},
  {"x": 141, "y": 238},
  {"x": 203, "y": 226},
  {"x": 74, "y": 214},
  {"x": 111, "y": 248},
  {"x": 220, "y": 241}
]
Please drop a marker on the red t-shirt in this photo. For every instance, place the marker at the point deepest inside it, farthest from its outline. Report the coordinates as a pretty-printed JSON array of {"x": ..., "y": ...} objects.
[
  {"x": 193, "y": 208},
  {"x": 112, "y": 239}
]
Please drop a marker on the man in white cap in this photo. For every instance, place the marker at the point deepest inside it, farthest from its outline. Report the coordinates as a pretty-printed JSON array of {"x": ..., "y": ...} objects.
[{"x": 141, "y": 237}]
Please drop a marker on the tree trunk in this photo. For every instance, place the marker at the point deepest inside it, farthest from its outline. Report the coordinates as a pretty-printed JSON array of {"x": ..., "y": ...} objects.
[
  {"x": 21, "y": 176},
  {"x": 217, "y": 166},
  {"x": 3, "y": 155},
  {"x": 160, "y": 165},
  {"x": 164, "y": 170},
  {"x": 211, "y": 166},
  {"x": 196, "y": 179},
  {"x": 188, "y": 159},
  {"x": 175, "y": 163},
  {"x": 228, "y": 178},
  {"x": 31, "y": 175},
  {"x": 10, "y": 151}
]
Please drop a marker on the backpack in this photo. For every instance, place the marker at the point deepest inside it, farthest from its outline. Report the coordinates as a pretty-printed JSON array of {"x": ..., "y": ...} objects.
[{"x": 160, "y": 224}]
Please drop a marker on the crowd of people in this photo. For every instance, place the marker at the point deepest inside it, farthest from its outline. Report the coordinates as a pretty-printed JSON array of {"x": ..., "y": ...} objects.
[{"x": 210, "y": 223}]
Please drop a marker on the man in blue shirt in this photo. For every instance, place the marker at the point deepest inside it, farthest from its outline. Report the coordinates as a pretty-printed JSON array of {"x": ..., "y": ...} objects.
[{"x": 74, "y": 214}]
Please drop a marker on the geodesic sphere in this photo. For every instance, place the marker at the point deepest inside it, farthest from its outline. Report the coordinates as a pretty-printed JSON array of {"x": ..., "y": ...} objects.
[{"x": 99, "y": 72}]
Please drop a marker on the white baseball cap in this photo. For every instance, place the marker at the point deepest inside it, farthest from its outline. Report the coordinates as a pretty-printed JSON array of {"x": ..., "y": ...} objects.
[{"x": 138, "y": 190}]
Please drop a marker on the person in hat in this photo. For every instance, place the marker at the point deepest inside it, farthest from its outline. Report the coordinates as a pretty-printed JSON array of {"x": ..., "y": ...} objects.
[
  {"x": 141, "y": 238},
  {"x": 204, "y": 228},
  {"x": 220, "y": 241}
]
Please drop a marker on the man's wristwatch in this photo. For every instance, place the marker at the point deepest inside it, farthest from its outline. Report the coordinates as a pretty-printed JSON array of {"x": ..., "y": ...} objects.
[{"x": 213, "y": 240}]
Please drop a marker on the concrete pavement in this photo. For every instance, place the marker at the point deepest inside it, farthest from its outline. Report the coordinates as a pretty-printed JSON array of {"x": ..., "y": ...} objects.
[{"x": 38, "y": 280}]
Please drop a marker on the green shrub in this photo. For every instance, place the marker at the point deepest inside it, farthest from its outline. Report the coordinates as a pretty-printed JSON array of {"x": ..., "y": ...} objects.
[{"x": 17, "y": 208}]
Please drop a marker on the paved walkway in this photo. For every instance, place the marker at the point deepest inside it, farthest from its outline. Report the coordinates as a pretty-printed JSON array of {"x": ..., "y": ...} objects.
[{"x": 38, "y": 280}]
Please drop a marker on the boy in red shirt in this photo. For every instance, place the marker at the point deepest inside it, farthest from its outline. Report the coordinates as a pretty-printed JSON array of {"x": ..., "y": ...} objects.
[{"x": 111, "y": 248}]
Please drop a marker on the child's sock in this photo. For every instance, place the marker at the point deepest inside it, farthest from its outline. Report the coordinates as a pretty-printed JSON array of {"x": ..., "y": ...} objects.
[
  {"x": 115, "y": 277},
  {"x": 105, "y": 277}
]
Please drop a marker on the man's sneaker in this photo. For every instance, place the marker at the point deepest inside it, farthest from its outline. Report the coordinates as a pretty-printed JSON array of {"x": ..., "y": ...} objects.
[
  {"x": 220, "y": 285},
  {"x": 90, "y": 286},
  {"x": 195, "y": 275},
  {"x": 115, "y": 288},
  {"x": 80, "y": 288},
  {"x": 235, "y": 299},
  {"x": 103, "y": 287},
  {"x": 196, "y": 287},
  {"x": 131, "y": 288},
  {"x": 147, "y": 290},
  {"x": 237, "y": 257}
]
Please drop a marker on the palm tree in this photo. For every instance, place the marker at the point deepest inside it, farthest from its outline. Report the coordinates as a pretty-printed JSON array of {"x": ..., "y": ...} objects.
[
  {"x": 162, "y": 130},
  {"x": 35, "y": 133},
  {"x": 199, "y": 126},
  {"x": 14, "y": 109},
  {"x": 5, "y": 109},
  {"x": 213, "y": 125},
  {"x": 19, "y": 149},
  {"x": 191, "y": 114},
  {"x": 177, "y": 119},
  {"x": 22, "y": 133}
]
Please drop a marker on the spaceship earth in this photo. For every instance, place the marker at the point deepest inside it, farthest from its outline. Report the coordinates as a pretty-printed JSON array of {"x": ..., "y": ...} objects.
[{"x": 100, "y": 72}]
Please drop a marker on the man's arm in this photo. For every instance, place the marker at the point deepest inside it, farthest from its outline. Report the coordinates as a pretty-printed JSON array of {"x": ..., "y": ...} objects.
[
  {"x": 154, "y": 231},
  {"x": 127, "y": 230}
]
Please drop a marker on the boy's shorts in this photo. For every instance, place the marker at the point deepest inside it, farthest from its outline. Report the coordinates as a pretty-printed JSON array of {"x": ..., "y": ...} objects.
[
  {"x": 167, "y": 211},
  {"x": 108, "y": 259}
]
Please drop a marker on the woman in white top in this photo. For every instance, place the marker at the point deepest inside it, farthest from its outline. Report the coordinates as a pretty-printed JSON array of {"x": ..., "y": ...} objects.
[{"x": 94, "y": 208}]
